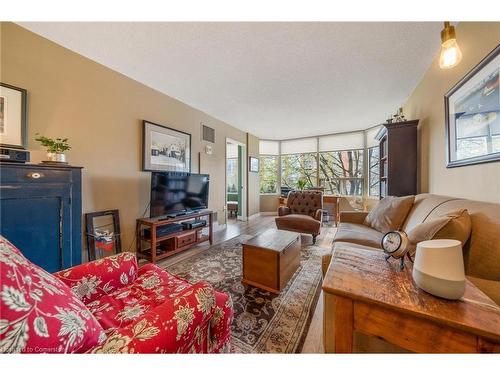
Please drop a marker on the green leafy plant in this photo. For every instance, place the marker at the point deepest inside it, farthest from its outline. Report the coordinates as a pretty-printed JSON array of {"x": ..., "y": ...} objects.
[
  {"x": 301, "y": 183},
  {"x": 57, "y": 145}
]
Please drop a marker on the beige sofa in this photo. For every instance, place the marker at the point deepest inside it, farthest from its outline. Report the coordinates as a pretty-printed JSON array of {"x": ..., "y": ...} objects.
[{"x": 481, "y": 252}]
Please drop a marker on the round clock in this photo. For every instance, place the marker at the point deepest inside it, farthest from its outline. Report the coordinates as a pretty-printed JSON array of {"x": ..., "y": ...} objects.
[{"x": 395, "y": 244}]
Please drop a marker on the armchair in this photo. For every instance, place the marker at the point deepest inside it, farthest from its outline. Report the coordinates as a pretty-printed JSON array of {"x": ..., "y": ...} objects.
[
  {"x": 116, "y": 306},
  {"x": 303, "y": 213}
]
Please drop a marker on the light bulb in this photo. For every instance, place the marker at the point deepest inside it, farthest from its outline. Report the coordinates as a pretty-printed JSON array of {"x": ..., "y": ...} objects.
[{"x": 450, "y": 54}]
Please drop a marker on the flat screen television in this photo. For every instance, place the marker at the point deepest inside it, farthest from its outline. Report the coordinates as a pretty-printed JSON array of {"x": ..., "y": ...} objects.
[{"x": 174, "y": 193}]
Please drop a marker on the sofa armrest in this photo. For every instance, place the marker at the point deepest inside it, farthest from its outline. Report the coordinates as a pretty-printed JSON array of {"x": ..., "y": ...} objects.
[
  {"x": 355, "y": 217},
  {"x": 90, "y": 281},
  {"x": 179, "y": 325},
  {"x": 283, "y": 211},
  {"x": 318, "y": 215}
]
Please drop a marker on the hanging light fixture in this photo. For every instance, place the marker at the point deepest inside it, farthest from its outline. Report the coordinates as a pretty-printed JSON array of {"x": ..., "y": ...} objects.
[{"x": 450, "y": 52}]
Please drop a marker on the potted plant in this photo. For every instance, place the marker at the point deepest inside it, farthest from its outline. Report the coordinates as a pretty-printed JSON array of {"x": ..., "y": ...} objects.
[
  {"x": 301, "y": 183},
  {"x": 55, "y": 147}
]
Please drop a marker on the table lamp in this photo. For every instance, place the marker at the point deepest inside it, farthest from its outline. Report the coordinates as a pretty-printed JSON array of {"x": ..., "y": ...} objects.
[{"x": 439, "y": 268}]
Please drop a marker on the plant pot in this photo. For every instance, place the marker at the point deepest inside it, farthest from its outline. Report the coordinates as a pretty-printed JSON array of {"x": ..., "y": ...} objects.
[{"x": 56, "y": 157}]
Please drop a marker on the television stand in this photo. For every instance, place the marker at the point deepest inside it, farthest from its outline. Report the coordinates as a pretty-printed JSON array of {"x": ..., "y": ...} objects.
[{"x": 152, "y": 247}]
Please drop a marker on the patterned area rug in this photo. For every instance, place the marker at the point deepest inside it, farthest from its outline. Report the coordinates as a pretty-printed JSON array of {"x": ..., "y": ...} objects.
[{"x": 263, "y": 322}]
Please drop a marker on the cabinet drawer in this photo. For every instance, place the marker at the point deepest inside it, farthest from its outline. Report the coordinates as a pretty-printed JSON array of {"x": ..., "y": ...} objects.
[
  {"x": 34, "y": 175},
  {"x": 185, "y": 239}
]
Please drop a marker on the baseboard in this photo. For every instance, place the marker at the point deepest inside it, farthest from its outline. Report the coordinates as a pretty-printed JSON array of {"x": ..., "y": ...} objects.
[
  {"x": 270, "y": 213},
  {"x": 254, "y": 216}
]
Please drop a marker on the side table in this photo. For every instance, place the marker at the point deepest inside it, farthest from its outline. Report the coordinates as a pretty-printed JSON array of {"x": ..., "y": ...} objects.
[{"x": 365, "y": 293}]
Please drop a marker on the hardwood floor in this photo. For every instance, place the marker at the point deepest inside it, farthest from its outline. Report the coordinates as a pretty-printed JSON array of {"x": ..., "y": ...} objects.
[{"x": 314, "y": 339}]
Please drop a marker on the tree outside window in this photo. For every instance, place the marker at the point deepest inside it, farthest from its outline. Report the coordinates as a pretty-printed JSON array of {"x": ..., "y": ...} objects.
[
  {"x": 341, "y": 172},
  {"x": 373, "y": 171},
  {"x": 299, "y": 167},
  {"x": 268, "y": 174}
]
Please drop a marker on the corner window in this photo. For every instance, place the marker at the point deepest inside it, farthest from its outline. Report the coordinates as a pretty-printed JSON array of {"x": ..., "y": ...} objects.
[
  {"x": 268, "y": 174},
  {"x": 341, "y": 172},
  {"x": 299, "y": 171}
]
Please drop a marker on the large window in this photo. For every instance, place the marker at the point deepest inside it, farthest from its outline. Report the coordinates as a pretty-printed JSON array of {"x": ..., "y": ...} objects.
[
  {"x": 344, "y": 164},
  {"x": 373, "y": 171},
  {"x": 299, "y": 171},
  {"x": 341, "y": 172},
  {"x": 268, "y": 174}
]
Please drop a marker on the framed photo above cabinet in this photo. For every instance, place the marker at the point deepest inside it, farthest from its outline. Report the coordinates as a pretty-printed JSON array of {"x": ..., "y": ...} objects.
[
  {"x": 472, "y": 110},
  {"x": 13, "y": 116}
]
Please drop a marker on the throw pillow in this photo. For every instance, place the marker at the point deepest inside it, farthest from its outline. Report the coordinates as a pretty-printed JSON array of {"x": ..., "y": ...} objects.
[
  {"x": 40, "y": 314},
  {"x": 454, "y": 225},
  {"x": 390, "y": 213}
]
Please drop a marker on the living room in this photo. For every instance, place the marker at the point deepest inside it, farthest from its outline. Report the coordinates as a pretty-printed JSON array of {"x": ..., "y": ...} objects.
[{"x": 250, "y": 187}]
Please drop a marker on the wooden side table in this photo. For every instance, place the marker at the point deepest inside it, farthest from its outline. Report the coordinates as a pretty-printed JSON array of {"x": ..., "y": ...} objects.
[{"x": 364, "y": 293}]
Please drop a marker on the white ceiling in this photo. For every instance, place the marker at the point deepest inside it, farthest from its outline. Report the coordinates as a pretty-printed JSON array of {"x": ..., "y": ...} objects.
[{"x": 274, "y": 80}]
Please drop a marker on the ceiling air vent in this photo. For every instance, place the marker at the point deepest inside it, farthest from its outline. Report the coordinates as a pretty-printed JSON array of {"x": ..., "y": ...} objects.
[{"x": 208, "y": 133}]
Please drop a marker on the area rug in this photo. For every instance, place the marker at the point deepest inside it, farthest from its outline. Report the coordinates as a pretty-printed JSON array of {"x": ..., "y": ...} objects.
[{"x": 264, "y": 322}]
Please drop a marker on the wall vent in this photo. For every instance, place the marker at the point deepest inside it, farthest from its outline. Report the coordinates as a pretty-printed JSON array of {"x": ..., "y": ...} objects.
[{"x": 208, "y": 133}]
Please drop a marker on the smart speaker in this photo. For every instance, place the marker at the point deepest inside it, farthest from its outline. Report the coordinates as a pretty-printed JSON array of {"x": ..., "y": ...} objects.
[{"x": 439, "y": 268}]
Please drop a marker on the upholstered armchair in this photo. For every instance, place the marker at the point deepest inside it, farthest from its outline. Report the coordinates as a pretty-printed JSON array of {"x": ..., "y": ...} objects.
[
  {"x": 303, "y": 213},
  {"x": 108, "y": 306}
]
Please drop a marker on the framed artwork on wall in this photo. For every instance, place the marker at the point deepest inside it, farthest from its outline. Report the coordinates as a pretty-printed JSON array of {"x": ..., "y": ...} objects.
[
  {"x": 103, "y": 234},
  {"x": 472, "y": 115},
  {"x": 13, "y": 116},
  {"x": 165, "y": 149},
  {"x": 253, "y": 164}
]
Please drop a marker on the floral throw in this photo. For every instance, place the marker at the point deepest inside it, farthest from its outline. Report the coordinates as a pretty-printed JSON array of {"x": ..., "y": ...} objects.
[
  {"x": 136, "y": 310},
  {"x": 38, "y": 312}
]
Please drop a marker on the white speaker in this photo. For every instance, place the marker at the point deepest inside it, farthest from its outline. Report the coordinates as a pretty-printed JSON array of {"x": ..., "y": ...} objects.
[{"x": 439, "y": 268}]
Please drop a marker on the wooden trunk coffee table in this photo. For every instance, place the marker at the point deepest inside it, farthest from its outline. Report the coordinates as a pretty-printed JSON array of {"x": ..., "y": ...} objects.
[
  {"x": 270, "y": 259},
  {"x": 364, "y": 293}
]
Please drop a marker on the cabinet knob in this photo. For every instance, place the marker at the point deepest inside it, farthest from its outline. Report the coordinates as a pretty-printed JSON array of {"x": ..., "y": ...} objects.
[{"x": 35, "y": 175}]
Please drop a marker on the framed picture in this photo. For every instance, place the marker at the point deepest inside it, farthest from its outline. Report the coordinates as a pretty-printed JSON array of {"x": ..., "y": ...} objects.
[
  {"x": 254, "y": 164},
  {"x": 103, "y": 234},
  {"x": 12, "y": 116},
  {"x": 472, "y": 110},
  {"x": 165, "y": 149}
]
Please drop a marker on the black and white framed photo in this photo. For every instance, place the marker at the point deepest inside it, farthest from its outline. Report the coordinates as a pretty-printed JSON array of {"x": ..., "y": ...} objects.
[
  {"x": 12, "y": 116},
  {"x": 472, "y": 110},
  {"x": 165, "y": 149},
  {"x": 254, "y": 164}
]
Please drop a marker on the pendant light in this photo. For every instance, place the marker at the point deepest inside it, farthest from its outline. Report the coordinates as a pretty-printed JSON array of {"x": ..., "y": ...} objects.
[{"x": 450, "y": 51}]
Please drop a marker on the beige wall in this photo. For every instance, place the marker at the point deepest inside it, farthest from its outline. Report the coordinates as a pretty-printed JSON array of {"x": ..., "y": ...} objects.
[
  {"x": 101, "y": 112},
  {"x": 482, "y": 181},
  {"x": 253, "y": 204},
  {"x": 269, "y": 203}
]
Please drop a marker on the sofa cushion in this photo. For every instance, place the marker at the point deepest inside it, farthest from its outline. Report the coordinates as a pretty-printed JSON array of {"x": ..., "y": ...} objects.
[
  {"x": 390, "y": 213},
  {"x": 488, "y": 287},
  {"x": 124, "y": 306},
  {"x": 39, "y": 313},
  {"x": 455, "y": 225},
  {"x": 358, "y": 234},
  {"x": 298, "y": 223}
]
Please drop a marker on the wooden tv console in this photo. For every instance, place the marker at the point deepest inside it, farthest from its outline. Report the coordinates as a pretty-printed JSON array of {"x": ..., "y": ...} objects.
[{"x": 154, "y": 248}]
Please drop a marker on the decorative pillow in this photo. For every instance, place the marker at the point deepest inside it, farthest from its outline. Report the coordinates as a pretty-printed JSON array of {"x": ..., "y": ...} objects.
[
  {"x": 39, "y": 313},
  {"x": 390, "y": 213},
  {"x": 455, "y": 225}
]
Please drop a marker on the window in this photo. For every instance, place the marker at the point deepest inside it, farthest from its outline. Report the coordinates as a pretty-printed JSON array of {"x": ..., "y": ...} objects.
[
  {"x": 341, "y": 172},
  {"x": 373, "y": 171},
  {"x": 232, "y": 175},
  {"x": 299, "y": 169},
  {"x": 268, "y": 174}
]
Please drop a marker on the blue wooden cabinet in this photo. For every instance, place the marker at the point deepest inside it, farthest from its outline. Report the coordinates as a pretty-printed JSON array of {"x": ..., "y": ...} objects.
[{"x": 40, "y": 213}]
